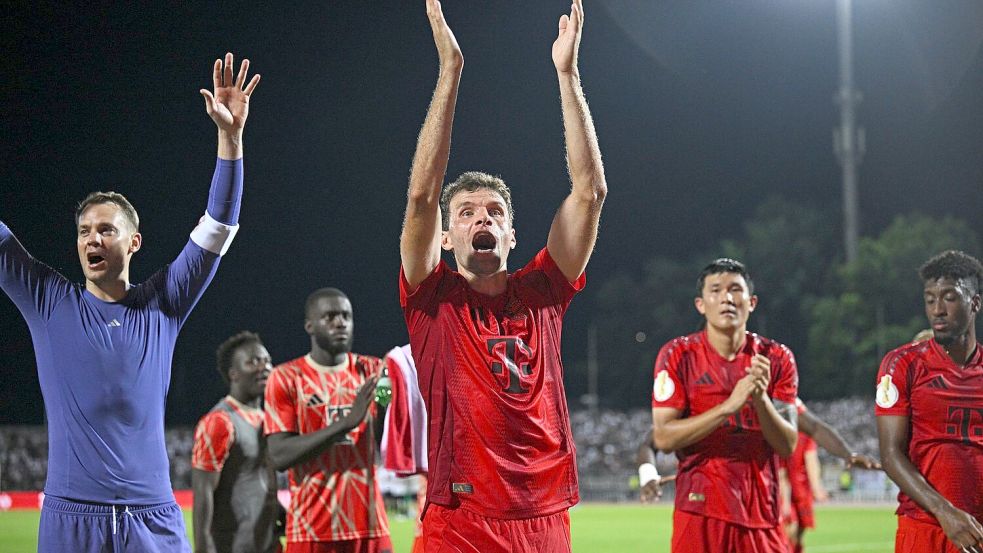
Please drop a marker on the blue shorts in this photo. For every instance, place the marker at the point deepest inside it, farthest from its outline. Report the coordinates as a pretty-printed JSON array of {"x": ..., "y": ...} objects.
[{"x": 73, "y": 527}]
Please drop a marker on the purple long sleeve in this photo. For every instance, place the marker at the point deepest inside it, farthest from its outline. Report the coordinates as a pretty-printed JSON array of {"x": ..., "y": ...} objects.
[{"x": 225, "y": 194}]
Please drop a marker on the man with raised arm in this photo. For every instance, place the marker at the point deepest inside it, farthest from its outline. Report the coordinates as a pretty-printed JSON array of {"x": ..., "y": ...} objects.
[
  {"x": 502, "y": 470},
  {"x": 929, "y": 407},
  {"x": 724, "y": 400},
  {"x": 104, "y": 351}
]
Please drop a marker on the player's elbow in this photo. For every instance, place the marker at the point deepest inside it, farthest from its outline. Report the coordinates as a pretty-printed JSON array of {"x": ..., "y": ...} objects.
[
  {"x": 277, "y": 460},
  {"x": 663, "y": 441},
  {"x": 786, "y": 446}
]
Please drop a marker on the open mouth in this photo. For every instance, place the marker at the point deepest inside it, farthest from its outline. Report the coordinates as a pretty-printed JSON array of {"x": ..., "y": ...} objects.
[
  {"x": 483, "y": 242},
  {"x": 94, "y": 260}
]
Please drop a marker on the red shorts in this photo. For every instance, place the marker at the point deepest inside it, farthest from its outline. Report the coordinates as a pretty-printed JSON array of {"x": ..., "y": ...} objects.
[
  {"x": 460, "y": 531},
  {"x": 915, "y": 536},
  {"x": 365, "y": 545},
  {"x": 699, "y": 534}
]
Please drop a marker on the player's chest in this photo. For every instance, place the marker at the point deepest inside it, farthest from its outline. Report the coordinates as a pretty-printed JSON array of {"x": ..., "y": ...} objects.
[
  {"x": 325, "y": 398},
  {"x": 949, "y": 402},
  {"x": 710, "y": 382}
]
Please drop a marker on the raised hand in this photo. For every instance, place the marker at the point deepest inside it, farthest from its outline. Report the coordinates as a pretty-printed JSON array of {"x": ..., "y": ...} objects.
[
  {"x": 228, "y": 105},
  {"x": 447, "y": 49},
  {"x": 360, "y": 406},
  {"x": 651, "y": 491},
  {"x": 567, "y": 43},
  {"x": 738, "y": 396},
  {"x": 760, "y": 369}
]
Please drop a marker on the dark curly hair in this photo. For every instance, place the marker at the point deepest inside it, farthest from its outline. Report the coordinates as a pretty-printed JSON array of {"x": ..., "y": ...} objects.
[
  {"x": 956, "y": 265},
  {"x": 227, "y": 350}
]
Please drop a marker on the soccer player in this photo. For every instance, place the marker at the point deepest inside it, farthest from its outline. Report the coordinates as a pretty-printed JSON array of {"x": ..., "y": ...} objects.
[
  {"x": 724, "y": 401},
  {"x": 235, "y": 505},
  {"x": 929, "y": 411},
  {"x": 322, "y": 425},
  {"x": 802, "y": 472},
  {"x": 502, "y": 470},
  {"x": 104, "y": 352}
]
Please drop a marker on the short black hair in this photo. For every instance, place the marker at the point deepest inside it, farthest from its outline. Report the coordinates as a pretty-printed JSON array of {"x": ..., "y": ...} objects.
[
  {"x": 955, "y": 265},
  {"x": 227, "y": 350},
  {"x": 318, "y": 294},
  {"x": 723, "y": 265}
]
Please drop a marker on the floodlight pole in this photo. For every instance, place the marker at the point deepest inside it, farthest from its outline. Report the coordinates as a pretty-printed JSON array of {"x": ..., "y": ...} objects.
[{"x": 848, "y": 138}]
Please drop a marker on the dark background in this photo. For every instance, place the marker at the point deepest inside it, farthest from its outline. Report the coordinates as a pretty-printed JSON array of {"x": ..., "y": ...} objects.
[{"x": 703, "y": 110}]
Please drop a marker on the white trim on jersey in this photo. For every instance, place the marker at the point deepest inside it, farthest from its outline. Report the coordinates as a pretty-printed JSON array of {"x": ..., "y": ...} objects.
[{"x": 213, "y": 236}]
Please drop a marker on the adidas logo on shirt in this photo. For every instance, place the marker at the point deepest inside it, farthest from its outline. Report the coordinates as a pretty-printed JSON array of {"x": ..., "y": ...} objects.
[
  {"x": 704, "y": 380},
  {"x": 114, "y": 324},
  {"x": 939, "y": 383},
  {"x": 315, "y": 401}
]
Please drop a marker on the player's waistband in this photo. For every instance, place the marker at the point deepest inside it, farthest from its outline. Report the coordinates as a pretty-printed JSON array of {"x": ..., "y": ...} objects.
[{"x": 73, "y": 506}]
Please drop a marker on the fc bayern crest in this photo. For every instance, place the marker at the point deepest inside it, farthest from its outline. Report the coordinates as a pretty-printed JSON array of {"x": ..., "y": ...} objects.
[
  {"x": 887, "y": 392},
  {"x": 664, "y": 387}
]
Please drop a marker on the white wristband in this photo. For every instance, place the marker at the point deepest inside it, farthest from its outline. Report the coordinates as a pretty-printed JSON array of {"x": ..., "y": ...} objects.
[{"x": 647, "y": 473}]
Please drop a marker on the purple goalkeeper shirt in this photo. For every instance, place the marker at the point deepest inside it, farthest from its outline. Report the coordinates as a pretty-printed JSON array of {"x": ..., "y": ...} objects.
[{"x": 105, "y": 367}]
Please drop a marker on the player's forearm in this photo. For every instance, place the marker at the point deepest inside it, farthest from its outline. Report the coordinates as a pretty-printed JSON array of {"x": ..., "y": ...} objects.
[
  {"x": 829, "y": 439},
  {"x": 225, "y": 192},
  {"x": 780, "y": 434},
  {"x": 434, "y": 143},
  {"x": 289, "y": 450},
  {"x": 899, "y": 467},
  {"x": 683, "y": 432},
  {"x": 645, "y": 453},
  {"x": 230, "y": 144},
  {"x": 583, "y": 153},
  {"x": 814, "y": 473},
  {"x": 202, "y": 522}
]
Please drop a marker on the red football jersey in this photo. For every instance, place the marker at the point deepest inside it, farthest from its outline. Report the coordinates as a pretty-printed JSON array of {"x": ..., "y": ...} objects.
[
  {"x": 732, "y": 474},
  {"x": 944, "y": 403},
  {"x": 334, "y": 496},
  {"x": 215, "y": 434},
  {"x": 489, "y": 369},
  {"x": 797, "y": 475}
]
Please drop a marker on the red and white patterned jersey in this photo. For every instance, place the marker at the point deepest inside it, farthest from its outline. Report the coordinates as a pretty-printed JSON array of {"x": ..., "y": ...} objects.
[
  {"x": 731, "y": 474},
  {"x": 214, "y": 435},
  {"x": 490, "y": 373},
  {"x": 334, "y": 496},
  {"x": 944, "y": 403}
]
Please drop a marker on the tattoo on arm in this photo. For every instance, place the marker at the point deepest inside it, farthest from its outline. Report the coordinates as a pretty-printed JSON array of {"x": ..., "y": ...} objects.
[{"x": 787, "y": 411}]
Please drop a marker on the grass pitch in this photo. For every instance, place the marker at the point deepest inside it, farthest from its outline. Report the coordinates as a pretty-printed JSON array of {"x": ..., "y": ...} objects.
[{"x": 600, "y": 528}]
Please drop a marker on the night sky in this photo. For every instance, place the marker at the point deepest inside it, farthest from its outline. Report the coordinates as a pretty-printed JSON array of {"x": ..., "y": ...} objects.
[{"x": 703, "y": 109}]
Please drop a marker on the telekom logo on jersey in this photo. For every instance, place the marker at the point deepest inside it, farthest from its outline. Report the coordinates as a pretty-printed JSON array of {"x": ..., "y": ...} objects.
[
  {"x": 965, "y": 422},
  {"x": 510, "y": 357}
]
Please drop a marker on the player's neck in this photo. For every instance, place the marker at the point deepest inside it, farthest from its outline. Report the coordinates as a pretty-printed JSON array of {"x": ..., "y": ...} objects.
[
  {"x": 114, "y": 290},
  {"x": 727, "y": 342},
  {"x": 962, "y": 348},
  {"x": 488, "y": 285},
  {"x": 244, "y": 398},
  {"x": 327, "y": 358}
]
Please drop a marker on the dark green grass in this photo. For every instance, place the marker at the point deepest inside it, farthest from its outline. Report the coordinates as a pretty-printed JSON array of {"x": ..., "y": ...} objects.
[{"x": 599, "y": 528}]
